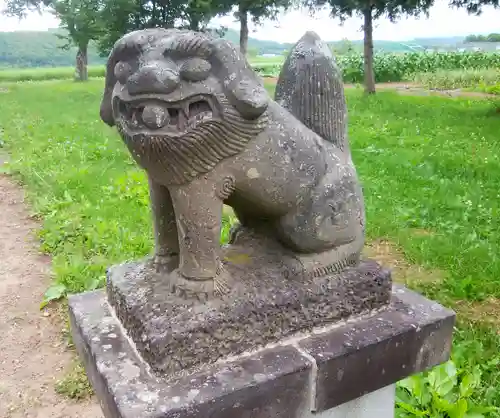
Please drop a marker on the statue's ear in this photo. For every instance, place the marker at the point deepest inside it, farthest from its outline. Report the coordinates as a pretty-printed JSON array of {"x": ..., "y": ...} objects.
[
  {"x": 243, "y": 88},
  {"x": 106, "y": 110},
  {"x": 128, "y": 44},
  {"x": 248, "y": 96}
]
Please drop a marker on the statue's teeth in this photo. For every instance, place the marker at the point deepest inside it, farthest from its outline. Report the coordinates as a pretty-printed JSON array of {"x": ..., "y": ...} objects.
[
  {"x": 185, "y": 110},
  {"x": 155, "y": 117},
  {"x": 182, "y": 120}
]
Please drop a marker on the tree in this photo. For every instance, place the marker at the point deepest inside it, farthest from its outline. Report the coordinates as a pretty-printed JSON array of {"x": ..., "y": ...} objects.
[
  {"x": 371, "y": 10},
  {"x": 474, "y": 6},
  {"x": 123, "y": 16},
  {"x": 492, "y": 37},
  {"x": 474, "y": 38},
  {"x": 198, "y": 13},
  {"x": 343, "y": 47},
  {"x": 80, "y": 18},
  {"x": 256, "y": 10}
]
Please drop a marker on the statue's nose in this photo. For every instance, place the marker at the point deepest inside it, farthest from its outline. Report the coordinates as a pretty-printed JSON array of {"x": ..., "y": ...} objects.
[{"x": 153, "y": 78}]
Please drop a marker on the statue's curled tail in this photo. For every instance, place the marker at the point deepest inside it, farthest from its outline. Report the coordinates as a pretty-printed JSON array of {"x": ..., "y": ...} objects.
[{"x": 310, "y": 87}]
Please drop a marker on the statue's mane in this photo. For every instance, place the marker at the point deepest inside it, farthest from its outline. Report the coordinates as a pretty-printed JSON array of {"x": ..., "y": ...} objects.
[{"x": 197, "y": 152}]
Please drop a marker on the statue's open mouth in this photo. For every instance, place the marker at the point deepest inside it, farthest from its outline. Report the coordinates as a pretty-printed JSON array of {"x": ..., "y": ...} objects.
[{"x": 170, "y": 117}]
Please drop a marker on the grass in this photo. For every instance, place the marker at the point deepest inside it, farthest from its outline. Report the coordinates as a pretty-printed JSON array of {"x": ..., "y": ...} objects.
[
  {"x": 429, "y": 168},
  {"x": 490, "y": 89},
  {"x": 429, "y": 164},
  {"x": 75, "y": 385},
  {"x": 446, "y": 80},
  {"x": 43, "y": 74}
]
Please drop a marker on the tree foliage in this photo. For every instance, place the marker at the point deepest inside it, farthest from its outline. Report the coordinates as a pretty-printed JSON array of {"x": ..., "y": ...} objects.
[
  {"x": 20, "y": 8},
  {"x": 474, "y": 6},
  {"x": 492, "y": 37},
  {"x": 123, "y": 16},
  {"x": 81, "y": 20}
]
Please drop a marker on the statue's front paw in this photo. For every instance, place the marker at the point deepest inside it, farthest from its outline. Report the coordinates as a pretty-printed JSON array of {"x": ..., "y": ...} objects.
[{"x": 190, "y": 288}]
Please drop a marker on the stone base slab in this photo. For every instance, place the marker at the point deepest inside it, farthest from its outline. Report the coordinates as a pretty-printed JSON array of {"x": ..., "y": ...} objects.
[
  {"x": 314, "y": 372},
  {"x": 173, "y": 334}
]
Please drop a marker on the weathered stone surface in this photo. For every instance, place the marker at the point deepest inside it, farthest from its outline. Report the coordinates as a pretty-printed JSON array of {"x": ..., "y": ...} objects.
[
  {"x": 198, "y": 120},
  {"x": 263, "y": 306},
  {"x": 273, "y": 383},
  {"x": 310, "y": 87},
  {"x": 410, "y": 336},
  {"x": 311, "y": 372}
]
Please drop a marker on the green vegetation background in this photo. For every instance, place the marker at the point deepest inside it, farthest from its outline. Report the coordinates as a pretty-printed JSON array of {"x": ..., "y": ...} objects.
[{"x": 42, "y": 49}]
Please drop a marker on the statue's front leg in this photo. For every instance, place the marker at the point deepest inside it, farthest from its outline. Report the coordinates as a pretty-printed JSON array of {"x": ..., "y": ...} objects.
[
  {"x": 198, "y": 212},
  {"x": 166, "y": 257}
]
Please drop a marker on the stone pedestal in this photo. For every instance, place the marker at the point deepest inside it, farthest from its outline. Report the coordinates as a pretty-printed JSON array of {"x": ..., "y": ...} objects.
[
  {"x": 333, "y": 370},
  {"x": 263, "y": 306}
]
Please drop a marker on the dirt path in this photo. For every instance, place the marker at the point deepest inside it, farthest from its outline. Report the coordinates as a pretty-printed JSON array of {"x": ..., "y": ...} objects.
[
  {"x": 416, "y": 90},
  {"x": 33, "y": 355}
]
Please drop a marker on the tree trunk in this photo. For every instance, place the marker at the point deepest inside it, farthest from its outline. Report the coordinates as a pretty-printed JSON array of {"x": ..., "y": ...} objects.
[
  {"x": 194, "y": 24},
  {"x": 243, "y": 30},
  {"x": 368, "y": 52},
  {"x": 154, "y": 21},
  {"x": 81, "y": 73}
]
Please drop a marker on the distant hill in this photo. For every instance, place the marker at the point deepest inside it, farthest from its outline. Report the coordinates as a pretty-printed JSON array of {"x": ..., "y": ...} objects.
[
  {"x": 38, "y": 49},
  {"x": 261, "y": 46},
  {"x": 43, "y": 49}
]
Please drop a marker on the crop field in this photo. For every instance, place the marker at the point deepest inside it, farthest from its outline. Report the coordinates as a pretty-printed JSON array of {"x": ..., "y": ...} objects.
[{"x": 429, "y": 168}]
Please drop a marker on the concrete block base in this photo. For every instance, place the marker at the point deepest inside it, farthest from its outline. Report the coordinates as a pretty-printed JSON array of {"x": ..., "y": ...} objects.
[
  {"x": 334, "y": 371},
  {"x": 378, "y": 404}
]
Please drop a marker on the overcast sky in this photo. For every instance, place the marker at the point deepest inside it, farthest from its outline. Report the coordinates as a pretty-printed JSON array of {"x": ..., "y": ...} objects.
[{"x": 443, "y": 21}]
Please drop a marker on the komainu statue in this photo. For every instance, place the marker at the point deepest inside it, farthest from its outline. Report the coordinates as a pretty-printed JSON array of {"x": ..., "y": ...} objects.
[
  {"x": 198, "y": 119},
  {"x": 284, "y": 319}
]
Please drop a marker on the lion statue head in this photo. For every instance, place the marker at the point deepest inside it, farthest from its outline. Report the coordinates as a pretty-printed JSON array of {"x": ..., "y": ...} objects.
[{"x": 182, "y": 101}]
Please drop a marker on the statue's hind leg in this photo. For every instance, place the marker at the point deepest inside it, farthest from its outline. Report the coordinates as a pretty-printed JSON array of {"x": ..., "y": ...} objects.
[{"x": 328, "y": 228}]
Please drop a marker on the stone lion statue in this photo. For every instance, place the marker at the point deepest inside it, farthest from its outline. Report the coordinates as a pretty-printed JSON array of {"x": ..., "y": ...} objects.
[{"x": 198, "y": 120}]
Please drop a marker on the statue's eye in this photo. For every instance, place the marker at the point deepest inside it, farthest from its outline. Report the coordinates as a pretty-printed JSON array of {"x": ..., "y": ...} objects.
[
  {"x": 123, "y": 71},
  {"x": 195, "y": 69}
]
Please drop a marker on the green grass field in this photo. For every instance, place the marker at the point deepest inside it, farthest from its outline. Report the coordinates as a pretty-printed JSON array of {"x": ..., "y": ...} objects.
[
  {"x": 43, "y": 74},
  {"x": 430, "y": 171}
]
